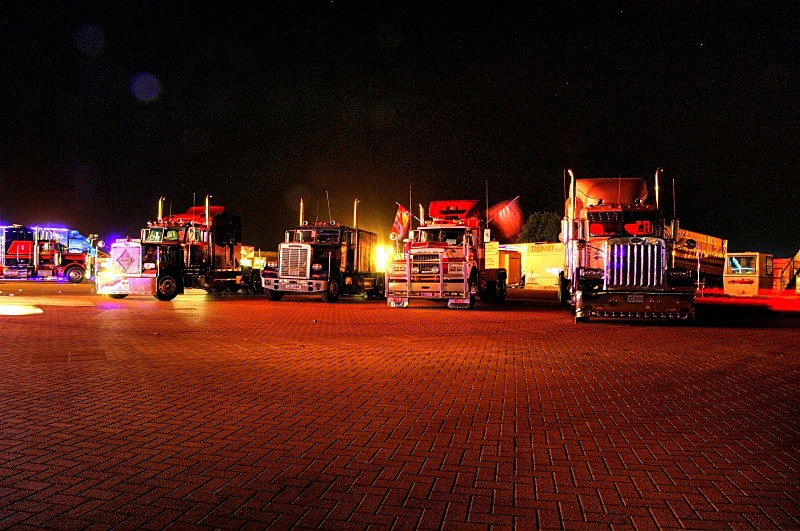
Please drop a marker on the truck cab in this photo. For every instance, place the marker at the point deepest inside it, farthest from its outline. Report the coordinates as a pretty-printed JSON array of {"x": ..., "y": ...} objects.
[
  {"x": 325, "y": 259},
  {"x": 618, "y": 255},
  {"x": 445, "y": 259}
]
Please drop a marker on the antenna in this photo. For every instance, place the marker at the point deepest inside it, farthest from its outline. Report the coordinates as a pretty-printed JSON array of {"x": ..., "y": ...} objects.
[
  {"x": 329, "y": 206},
  {"x": 658, "y": 173},
  {"x": 487, "y": 202},
  {"x": 410, "y": 222},
  {"x": 674, "y": 210}
]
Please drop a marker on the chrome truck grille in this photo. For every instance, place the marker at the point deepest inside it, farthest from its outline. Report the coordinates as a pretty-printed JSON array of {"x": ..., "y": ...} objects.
[
  {"x": 425, "y": 263},
  {"x": 635, "y": 263},
  {"x": 126, "y": 258},
  {"x": 294, "y": 261}
]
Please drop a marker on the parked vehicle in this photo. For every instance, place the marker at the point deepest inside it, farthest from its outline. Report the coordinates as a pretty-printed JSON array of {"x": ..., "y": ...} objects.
[
  {"x": 325, "y": 259},
  {"x": 617, "y": 253},
  {"x": 446, "y": 258},
  {"x": 46, "y": 252},
  {"x": 201, "y": 248}
]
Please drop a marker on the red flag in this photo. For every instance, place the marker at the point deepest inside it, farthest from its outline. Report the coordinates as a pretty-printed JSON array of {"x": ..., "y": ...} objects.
[
  {"x": 401, "y": 222},
  {"x": 507, "y": 218}
]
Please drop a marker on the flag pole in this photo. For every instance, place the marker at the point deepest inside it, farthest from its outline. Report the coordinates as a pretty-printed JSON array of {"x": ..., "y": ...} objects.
[{"x": 410, "y": 205}]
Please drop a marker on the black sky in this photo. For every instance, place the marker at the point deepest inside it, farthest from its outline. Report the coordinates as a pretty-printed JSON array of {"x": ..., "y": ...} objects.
[{"x": 260, "y": 104}]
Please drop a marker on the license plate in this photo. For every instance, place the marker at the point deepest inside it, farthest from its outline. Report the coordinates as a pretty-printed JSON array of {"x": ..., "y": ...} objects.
[
  {"x": 635, "y": 297},
  {"x": 293, "y": 286}
]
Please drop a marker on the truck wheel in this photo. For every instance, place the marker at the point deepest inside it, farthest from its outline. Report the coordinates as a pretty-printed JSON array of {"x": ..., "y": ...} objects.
[
  {"x": 379, "y": 291},
  {"x": 500, "y": 295},
  {"x": 486, "y": 291},
  {"x": 166, "y": 287},
  {"x": 274, "y": 295},
  {"x": 74, "y": 274},
  {"x": 563, "y": 290},
  {"x": 333, "y": 291},
  {"x": 255, "y": 287},
  {"x": 473, "y": 292}
]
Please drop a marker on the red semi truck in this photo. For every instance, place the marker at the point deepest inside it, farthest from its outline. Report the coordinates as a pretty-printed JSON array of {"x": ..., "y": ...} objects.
[
  {"x": 445, "y": 258},
  {"x": 45, "y": 252}
]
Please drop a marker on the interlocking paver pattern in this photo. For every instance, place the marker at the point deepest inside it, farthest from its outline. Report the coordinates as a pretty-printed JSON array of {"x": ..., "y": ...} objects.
[{"x": 236, "y": 412}]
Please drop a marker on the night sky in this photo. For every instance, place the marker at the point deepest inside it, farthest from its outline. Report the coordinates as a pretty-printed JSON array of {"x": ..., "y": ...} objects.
[{"x": 108, "y": 105}]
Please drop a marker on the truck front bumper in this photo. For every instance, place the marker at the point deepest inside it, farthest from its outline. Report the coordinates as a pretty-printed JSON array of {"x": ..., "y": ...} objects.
[
  {"x": 125, "y": 285},
  {"x": 635, "y": 304},
  {"x": 299, "y": 285}
]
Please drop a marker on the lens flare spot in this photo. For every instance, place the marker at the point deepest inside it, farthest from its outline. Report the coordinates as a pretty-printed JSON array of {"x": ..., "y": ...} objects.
[
  {"x": 90, "y": 40},
  {"x": 145, "y": 87}
]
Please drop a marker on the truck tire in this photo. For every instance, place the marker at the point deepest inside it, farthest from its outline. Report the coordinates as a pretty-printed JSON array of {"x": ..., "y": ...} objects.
[
  {"x": 255, "y": 287},
  {"x": 379, "y": 291},
  {"x": 74, "y": 274},
  {"x": 563, "y": 290},
  {"x": 334, "y": 290},
  {"x": 118, "y": 296},
  {"x": 166, "y": 287},
  {"x": 274, "y": 295},
  {"x": 500, "y": 294},
  {"x": 486, "y": 290}
]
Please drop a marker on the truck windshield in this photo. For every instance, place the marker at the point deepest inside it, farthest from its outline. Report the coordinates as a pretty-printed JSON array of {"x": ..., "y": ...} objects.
[
  {"x": 617, "y": 228},
  {"x": 328, "y": 236},
  {"x": 156, "y": 234},
  {"x": 450, "y": 236},
  {"x": 299, "y": 236}
]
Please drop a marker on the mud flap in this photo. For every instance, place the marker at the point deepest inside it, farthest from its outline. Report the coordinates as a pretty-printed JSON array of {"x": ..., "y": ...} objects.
[{"x": 397, "y": 302}]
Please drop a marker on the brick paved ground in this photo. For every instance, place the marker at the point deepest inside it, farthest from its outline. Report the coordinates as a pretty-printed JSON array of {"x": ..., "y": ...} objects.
[{"x": 241, "y": 413}]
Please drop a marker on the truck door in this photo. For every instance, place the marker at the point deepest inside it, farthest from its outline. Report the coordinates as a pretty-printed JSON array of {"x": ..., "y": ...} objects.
[{"x": 348, "y": 251}]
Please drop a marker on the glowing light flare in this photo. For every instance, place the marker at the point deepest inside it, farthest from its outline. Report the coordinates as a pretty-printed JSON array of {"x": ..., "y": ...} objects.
[
  {"x": 381, "y": 257},
  {"x": 19, "y": 309}
]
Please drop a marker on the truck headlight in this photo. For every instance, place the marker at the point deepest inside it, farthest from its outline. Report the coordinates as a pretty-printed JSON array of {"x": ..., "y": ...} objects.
[
  {"x": 455, "y": 269},
  {"x": 272, "y": 265},
  {"x": 399, "y": 269},
  {"x": 316, "y": 267},
  {"x": 415, "y": 269}
]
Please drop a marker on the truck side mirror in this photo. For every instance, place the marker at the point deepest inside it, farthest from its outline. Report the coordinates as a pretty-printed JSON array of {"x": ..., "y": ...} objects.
[{"x": 690, "y": 244}]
